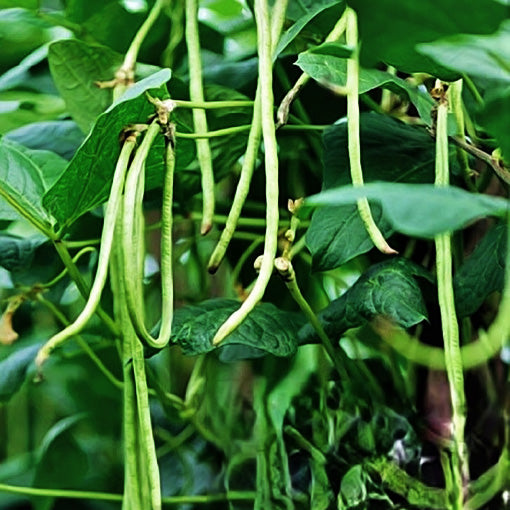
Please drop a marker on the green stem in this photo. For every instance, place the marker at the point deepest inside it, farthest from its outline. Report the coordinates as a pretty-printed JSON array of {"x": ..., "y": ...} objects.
[
  {"x": 234, "y": 276},
  {"x": 250, "y": 156},
  {"x": 77, "y": 278},
  {"x": 81, "y": 342},
  {"x": 213, "y": 134},
  {"x": 62, "y": 273},
  {"x": 71, "y": 245},
  {"x": 247, "y": 127},
  {"x": 105, "y": 496},
  {"x": 449, "y": 321},
  {"x": 458, "y": 112},
  {"x": 199, "y": 118},
  {"x": 472, "y": 88},
  {"x": 133, "y": 241},
  {"x": 212, "y": 105},
  {"x": 125, "y": 74},
  {"x": 29, "y": 213},
  {"x": 286, "y": 271},
  {"x": 472, "y": 355},
  {"x": 271, "y": 167},
  {"x": 104, "y": 254},
  {"x": 353, "y": 133}
]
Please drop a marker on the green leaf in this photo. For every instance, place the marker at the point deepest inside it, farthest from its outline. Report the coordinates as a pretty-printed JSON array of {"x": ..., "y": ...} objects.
[
  {"x": 14, "y": 370},
  {"x": 267, "y": 330},
  {"x": 495, "y": 117},
  {"x": 482, "y": 273},
  {"x": 483, "y": 56},
  {"x": 86, "y": 182},
  {"x": 352, "y": 487},
  {"x": 16, "y": 254},
  {"x": 412, "y": 209},
  {"x": 25, "y": 176},
  {"x": 391, "y": 29},
  {"x": 75, "y": 67},
  {"x": 63, "y": 137},
  {"x": 388, "y": 289},
  {"x": 390, "y": 150},
  {"x": 313, "y": 10},
  {"x": 328, "y": 63},
  {"x": 337, "y": 234}
]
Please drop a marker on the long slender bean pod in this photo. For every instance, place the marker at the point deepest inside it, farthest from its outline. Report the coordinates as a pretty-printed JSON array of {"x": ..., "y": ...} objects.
[
  {"x": 196, "y": 93},
  {"x": 449, "y": 322},
  {"x": 104, "y": 255},
  {"x": 250, "y": 156},
  {"x": 133, "y": 242},
  {"x": 271, "y": 164},
  {"x": 351, "y": 36}
]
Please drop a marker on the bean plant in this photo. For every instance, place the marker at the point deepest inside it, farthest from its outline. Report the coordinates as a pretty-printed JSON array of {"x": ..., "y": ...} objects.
[{"x": 253, "y": 254}]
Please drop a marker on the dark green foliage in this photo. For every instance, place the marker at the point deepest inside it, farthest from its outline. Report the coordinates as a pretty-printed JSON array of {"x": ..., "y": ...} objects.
[
  {"x": 482, "y": 273},
  {"x": 85, "y": 184},
  {"x": 267, "y": 330},
  {"x": 388, "y": 289},
  {"x": 392, "y": 151}
]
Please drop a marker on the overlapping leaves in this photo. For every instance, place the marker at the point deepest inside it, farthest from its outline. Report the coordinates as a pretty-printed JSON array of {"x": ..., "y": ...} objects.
[{"x": 267, "y": 330}]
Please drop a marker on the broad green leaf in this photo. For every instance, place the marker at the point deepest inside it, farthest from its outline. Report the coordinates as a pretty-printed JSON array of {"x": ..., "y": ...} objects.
[
  {"x": 412, "y": 209},
  {"x": 267, "y": 330},
  {"x": 390, "y": 150},
  {"x": 26, "y": 175},
  {"x": 388, "y": 288},
  {"x": 495, "y": 117},
  {"x": 76, "y": 67},
  {"x": 483, "y": 56},
  {"x": 14, "y": 370},
  {"x": 328, "y": 63},
  {"x": 21, "y": 107},
  {"x": 63, "y": 137},
  {"x": 16, "y": 254},
  {"x": 313, "y": 10},
  {"x": 337, "y": 234},
  {"x": 391, "y": 29},
  {"x": 482, "y": 273},
  {"x": 86, "y": 182}
]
